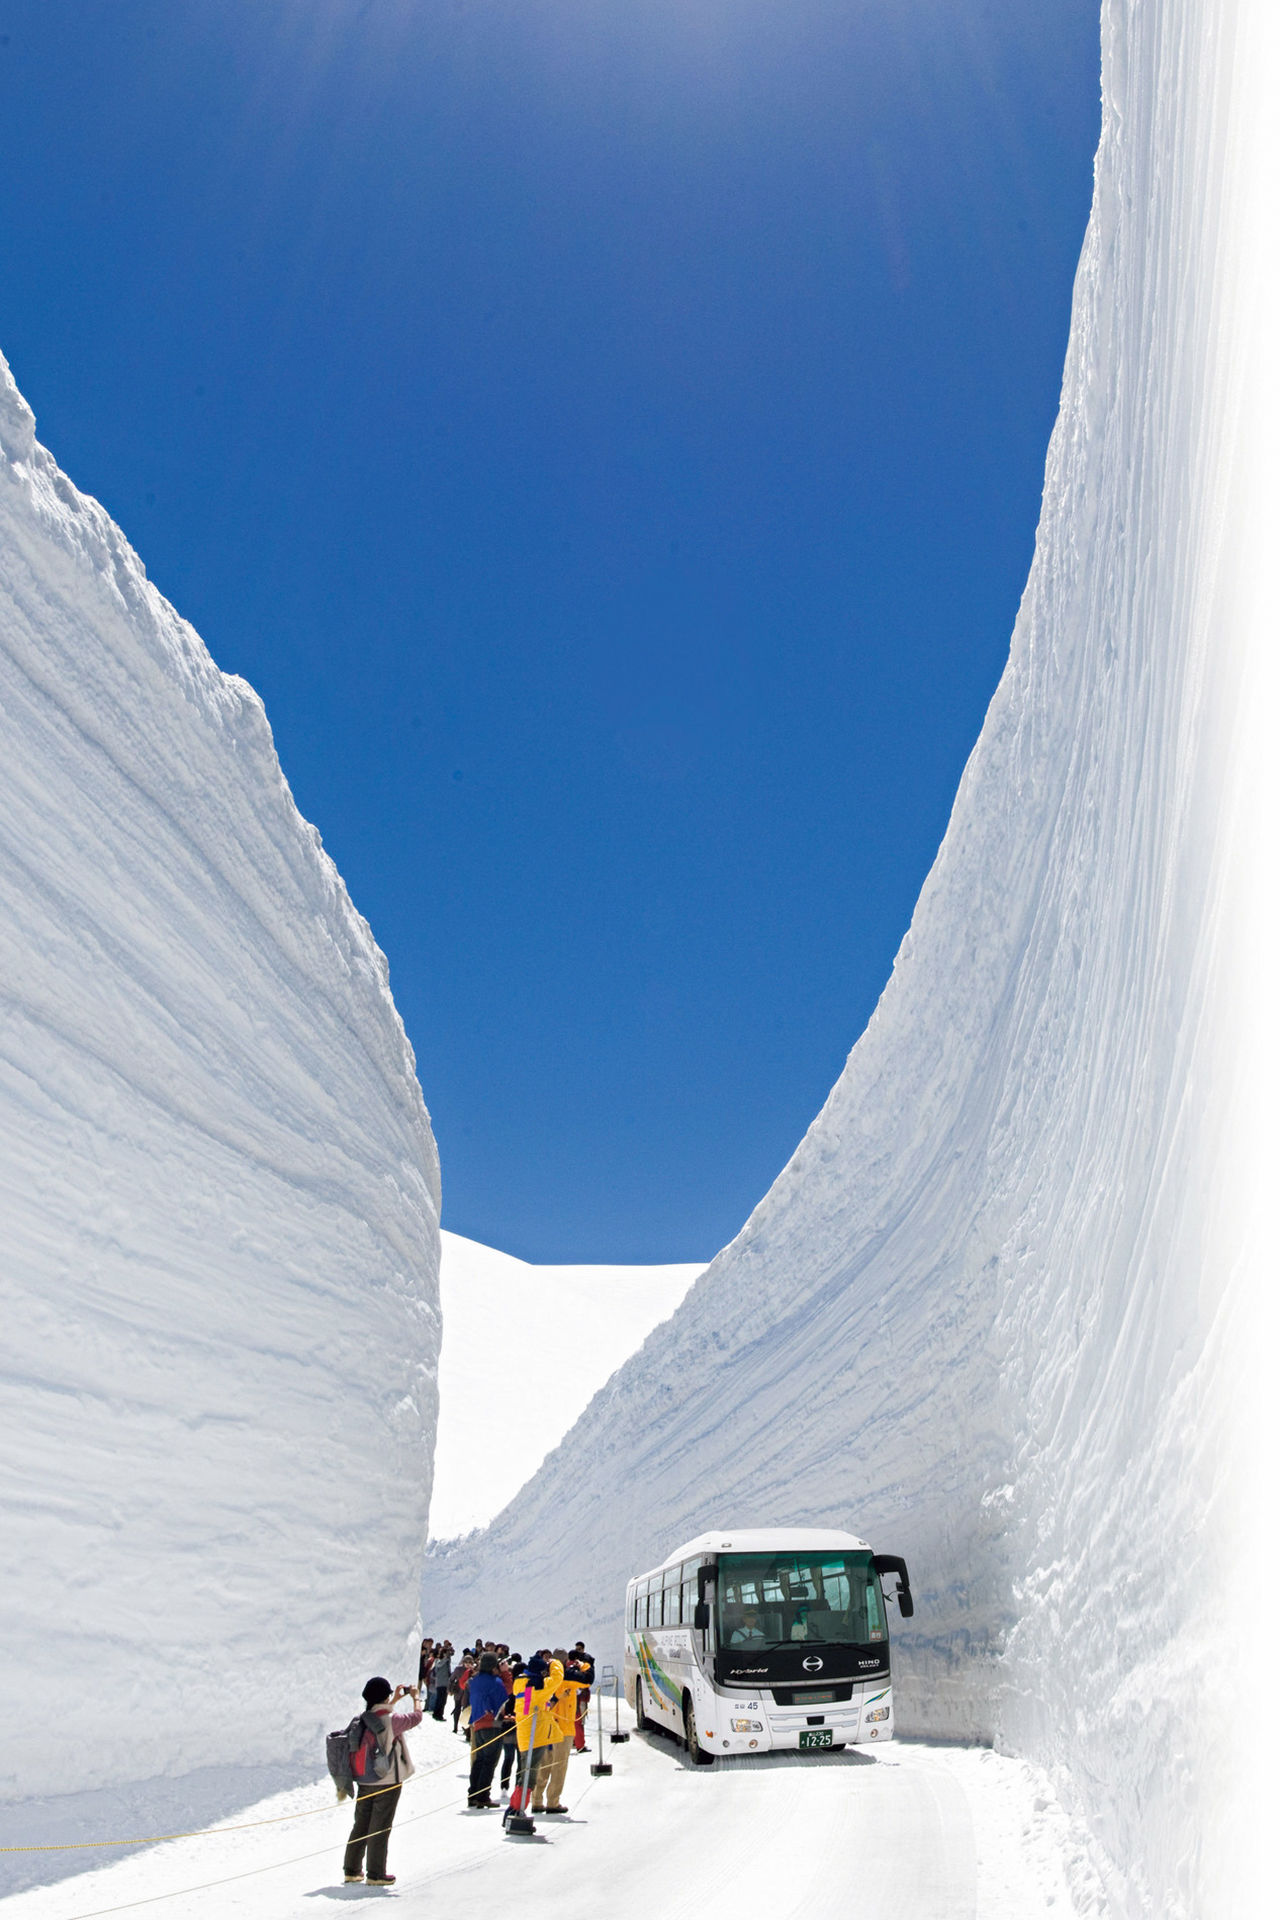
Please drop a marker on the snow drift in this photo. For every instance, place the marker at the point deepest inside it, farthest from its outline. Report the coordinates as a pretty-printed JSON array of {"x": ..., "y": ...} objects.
[
  {"x": 219, "y": 1194},
  {"x": 985, "y": 1315}
]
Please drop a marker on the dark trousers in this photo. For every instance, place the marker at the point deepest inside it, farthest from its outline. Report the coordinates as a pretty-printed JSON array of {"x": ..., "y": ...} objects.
[
  {"x": 485, "y": 1743},
  {"x": 508, "y": 1757},
  {"x": 438, "y": 1697},
  {"x": 371, "y": 1830}
]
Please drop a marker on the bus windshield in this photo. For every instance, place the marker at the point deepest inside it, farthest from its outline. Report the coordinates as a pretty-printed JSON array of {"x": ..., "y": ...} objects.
[{"x": 775, "y": 1599}]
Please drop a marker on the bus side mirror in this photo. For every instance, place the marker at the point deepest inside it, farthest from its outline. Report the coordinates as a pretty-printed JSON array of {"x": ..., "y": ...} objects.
[
  {"x": 702, "y": 1606},
  {"x": 883, "y": 1563}
]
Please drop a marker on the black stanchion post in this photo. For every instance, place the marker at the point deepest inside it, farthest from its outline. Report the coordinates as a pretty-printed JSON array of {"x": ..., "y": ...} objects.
[
  {"x": 617, "y": 1737},
  {"x": 600, "y": 1764}
]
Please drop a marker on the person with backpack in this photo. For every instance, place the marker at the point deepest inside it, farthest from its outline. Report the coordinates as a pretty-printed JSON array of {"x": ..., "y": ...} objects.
[
  {"x": 458, "y": 1688},
  {"x": 380, "y": 1765},
  {"x": 488, "y": 1695}
]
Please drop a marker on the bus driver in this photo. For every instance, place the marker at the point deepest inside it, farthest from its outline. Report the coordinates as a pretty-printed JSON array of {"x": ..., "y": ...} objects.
[{"x": 748, "y": 1634}]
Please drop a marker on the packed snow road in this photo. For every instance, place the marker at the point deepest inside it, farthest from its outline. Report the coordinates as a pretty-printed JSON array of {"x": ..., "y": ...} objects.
[{"x": 908, "y": 1833}]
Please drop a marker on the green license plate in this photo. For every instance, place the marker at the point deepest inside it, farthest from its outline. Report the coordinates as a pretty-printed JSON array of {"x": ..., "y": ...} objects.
[{"x": 816, "y": 1737}]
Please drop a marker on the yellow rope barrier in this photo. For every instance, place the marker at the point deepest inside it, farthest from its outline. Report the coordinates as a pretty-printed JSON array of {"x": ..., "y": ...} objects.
[
  {"x": 298, "y": 1859},
  {"x": 243, "y": 1826},
  {"x": 249, "y": 1873}
]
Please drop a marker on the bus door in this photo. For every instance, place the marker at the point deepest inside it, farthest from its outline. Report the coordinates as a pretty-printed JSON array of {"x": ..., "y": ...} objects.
[{"x": 699, "y": 1592}]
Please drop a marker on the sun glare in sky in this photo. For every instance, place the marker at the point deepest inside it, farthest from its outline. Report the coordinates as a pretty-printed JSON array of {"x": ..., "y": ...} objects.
[{"x": 610, "y": 438}]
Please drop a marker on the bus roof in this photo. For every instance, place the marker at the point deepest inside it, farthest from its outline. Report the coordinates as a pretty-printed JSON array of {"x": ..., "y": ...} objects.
[{"x": 764, "y": 1540}]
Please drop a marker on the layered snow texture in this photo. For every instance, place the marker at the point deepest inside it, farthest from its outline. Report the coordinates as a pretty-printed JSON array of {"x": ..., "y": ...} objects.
[
  {"x": 596, "y": 1316},
  {"x": 219, "y": 1192},
  {"x": 992, "y": 1314}
]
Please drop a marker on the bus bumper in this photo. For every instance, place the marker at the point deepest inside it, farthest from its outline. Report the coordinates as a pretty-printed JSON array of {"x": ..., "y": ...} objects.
[{"x": 782, "y": 1732}]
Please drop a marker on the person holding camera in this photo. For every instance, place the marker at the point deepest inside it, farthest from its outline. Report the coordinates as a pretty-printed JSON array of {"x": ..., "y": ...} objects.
[
  {"x": 582, "y": 1667},
  {"x": 459, "y": 1685},
  {"x": 441, "y": 1674},
  {"x": 488, "y": 1694},
  {"x": 381, "y": 1765},
  {"x": 535, "y": 1731},
  {"x": 564, "y": 1716}
]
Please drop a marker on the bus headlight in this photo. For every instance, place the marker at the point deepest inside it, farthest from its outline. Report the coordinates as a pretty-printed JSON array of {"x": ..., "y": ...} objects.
[
  {"x": 746, "y": 1726},
  {"x": 880, "y": 1713}
]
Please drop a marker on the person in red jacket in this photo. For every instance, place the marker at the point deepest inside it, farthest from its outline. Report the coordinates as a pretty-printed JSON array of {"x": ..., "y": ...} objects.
[
  {"x": 582, "y": 1667},
  {"x": 458, "y": 1688}
]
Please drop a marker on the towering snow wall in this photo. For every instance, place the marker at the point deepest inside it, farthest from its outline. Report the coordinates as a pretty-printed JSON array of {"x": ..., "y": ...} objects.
[
  {"x": 990, "y": 1315},
  {"x": 218, "y": 1193}
]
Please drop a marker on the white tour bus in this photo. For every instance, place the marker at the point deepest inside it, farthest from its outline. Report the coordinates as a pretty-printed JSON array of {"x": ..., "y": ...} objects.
[{"x": 776, "y": 1637}]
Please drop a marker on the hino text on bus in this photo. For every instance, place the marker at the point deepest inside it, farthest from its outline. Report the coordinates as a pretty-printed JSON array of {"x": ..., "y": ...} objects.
[{"x": 750, "y": 1642}]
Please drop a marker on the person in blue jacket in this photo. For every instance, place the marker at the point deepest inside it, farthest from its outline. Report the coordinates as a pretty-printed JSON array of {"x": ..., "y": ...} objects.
[{"x": 488, "y": 1695}]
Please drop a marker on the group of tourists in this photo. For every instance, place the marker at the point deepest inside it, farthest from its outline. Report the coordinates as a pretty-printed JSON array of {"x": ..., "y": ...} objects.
[
  {"x": 526, "y": 1717},
  {"x": 504, "y": 1705}
]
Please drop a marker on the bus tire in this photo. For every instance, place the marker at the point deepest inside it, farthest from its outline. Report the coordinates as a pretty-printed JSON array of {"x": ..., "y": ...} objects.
[{"x": 697, "y": 1753}]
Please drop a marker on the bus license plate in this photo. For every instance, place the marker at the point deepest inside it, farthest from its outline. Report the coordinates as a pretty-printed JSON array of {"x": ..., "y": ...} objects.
[{"x": 816, "y": 1737}]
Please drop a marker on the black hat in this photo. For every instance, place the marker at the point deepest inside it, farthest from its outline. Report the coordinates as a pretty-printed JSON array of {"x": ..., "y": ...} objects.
[
  {"x": 376, "y": 1691},
  {"x": 488, "y": 1663},
  {"x": 537, "y": 1671}
]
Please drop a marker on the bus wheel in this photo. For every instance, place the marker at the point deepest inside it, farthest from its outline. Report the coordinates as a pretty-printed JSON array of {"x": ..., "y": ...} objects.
[
  {"x": 697, "y": 1754},
  {"x": 643, "y": 1723}
]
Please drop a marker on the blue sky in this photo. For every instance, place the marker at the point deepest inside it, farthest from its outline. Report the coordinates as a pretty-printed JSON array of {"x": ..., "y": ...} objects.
[{"x": 609, "y": 434}]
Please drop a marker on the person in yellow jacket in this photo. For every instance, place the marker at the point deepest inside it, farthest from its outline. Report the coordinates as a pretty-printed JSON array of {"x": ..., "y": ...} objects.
[
  {"x": 564, "y": 1709},
  {"x": 532, "y": 1695}
]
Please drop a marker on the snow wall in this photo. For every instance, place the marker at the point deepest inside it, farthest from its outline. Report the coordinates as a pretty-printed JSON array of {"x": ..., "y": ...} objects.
[
  {"x": 994, "y": 1313},
  {"x": 220, "y": 1199}
]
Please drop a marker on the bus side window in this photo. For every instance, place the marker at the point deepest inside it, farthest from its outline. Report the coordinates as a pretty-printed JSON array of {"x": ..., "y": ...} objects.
[{"x": 688, "y": 1591}]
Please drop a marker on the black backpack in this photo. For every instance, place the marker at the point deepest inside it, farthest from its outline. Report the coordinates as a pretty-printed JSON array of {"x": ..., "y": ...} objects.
[
  {"x": 338, "y": 1749},
  {"x": 355, "y": 1757}
]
